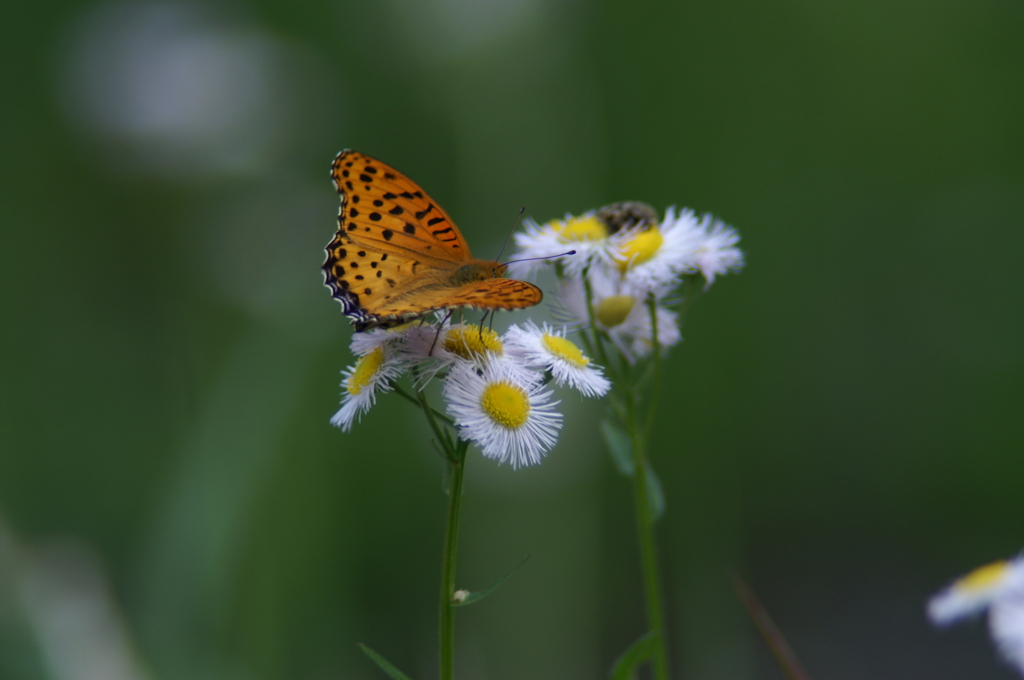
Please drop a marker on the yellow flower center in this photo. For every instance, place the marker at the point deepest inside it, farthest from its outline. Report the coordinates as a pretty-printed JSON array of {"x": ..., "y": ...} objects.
[
  {"x": 506, "y": 404},
  {"x": 472, "y": 341},
  {"x": 565, "y": 350},
  {"x": 639, "y": 249},
  {"x": 614, "y": 309},
  {"x": 587, "y": 228},
  {"x": 984, "y": 577},
  {"x": 366, "y": 368}
]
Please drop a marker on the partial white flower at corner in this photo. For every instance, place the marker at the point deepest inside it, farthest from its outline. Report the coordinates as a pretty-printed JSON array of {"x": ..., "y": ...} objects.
[
  {"x": 620, "y": 310},
  {"x": 503, "y": 409},
  {"x": 373, "y": 373},
  {"x": 541, "y": 245},
  {"x": 548, "y": 349},
  {"x": 997, "y": 587}
]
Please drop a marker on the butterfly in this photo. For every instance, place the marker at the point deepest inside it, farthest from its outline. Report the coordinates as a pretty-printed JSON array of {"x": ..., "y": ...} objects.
[{"x": 398, "y": 257}]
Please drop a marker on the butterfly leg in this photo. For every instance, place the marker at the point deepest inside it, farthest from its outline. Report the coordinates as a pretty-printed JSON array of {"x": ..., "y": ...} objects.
[
  {"x": 440, "y": 327},
  {"x": 483, "y": 320}
]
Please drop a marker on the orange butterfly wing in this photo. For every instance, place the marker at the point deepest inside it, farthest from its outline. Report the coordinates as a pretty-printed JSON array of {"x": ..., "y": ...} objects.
[
  {"x": 381, "y": 206},
  {"x": 485, "y": 294},
  {"x": 397, "y": 255}
]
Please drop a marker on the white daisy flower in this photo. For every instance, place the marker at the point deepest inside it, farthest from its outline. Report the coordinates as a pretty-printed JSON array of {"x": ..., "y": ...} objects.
[
  {"x": 458, "y": 342},
  {"x": 997, "y": 587},
  {"x": 503, "y": 409},
  {"x": 650, "y": 257},
  {"x": 586, "y": 234},
  {"x": 549, "y": 350},
  {"x": 638, "y": 332},
  {"x": 372, "y": 373},
  {"x": 717, "y": 253},
  {"x": 367, "y": 341},
  {"x": 620, "y": 311}
]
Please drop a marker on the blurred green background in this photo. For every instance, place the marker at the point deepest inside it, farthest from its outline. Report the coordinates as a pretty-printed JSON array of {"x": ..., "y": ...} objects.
[{"x": 842, "y": 425}]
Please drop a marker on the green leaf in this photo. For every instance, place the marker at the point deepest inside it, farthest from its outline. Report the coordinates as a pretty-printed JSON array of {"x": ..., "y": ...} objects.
[
  {"x": 470, "y": 598},
  {"x": 617, "y": 441},
  {"x": 383, "y": 663},
  {"x": 638, "y": 652},
  {"x": 655, "y": 496}
]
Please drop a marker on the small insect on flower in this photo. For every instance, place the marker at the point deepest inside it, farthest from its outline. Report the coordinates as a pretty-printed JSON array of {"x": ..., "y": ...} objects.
[
  {"x": 504, "y": 409},
  {"x": 372, "y": 373},
  {"x": 997, "y": 587},
  {"x": 549, "y": 350}
]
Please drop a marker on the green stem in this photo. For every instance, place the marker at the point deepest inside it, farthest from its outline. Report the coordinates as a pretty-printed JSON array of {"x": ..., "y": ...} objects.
[
  {"x": 455, "y": 452},
  {"x": 404, "y": 394},
  {"x": 602, "y": 356},
  {"x": 652, "y": 308},
  {"x": 645, "y": 532},
  {"x": 442, "y": 435},
  {"x": 451, "y": 544}
]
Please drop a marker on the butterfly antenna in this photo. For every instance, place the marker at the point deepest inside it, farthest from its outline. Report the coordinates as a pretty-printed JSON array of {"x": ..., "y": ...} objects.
[
  {"x": 518, "y": 217},
  {"x": 546, "y": 257}
]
